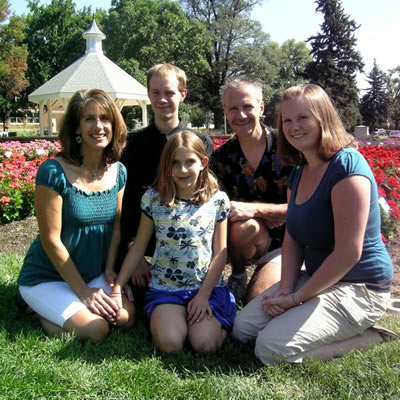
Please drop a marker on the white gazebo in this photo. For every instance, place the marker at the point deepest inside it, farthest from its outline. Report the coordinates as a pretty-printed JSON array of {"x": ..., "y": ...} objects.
[{"x": 93, "y": 70}]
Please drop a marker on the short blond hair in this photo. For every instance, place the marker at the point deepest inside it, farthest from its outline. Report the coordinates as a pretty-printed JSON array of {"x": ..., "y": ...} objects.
[
  {"x": 165, "y": 69},
  {"x": 333, "y": 134}
]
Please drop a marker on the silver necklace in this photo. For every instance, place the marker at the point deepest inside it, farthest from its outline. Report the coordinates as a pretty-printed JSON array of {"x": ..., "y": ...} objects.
[{"x": 95, "y": 174}]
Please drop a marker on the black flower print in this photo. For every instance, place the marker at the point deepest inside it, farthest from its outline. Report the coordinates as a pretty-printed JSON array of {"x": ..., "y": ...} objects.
[
  {"x": 174, "y": 275},
  {"x": 173, "y": 260},
  {"x": 187, "y": 245},
  {"x": 194, "y": 222},
  {"x": 176, "y": 233}
]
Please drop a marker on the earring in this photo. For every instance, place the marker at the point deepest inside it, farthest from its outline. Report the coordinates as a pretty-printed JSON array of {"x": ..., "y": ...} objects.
[{"x": 78, "y": 139}]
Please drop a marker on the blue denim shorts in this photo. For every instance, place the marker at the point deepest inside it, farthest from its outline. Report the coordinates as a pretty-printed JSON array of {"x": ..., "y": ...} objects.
[{"x": 222, "y": 302}]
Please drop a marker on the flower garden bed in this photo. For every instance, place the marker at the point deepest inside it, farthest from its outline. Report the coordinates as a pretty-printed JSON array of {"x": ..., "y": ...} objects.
[{"x": 19, "y": 163}]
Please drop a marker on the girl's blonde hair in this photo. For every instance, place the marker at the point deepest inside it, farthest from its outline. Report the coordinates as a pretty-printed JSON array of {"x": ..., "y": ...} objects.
[
  {"x": 206, "y": 185},
  {"x": 333, "y": 134}
]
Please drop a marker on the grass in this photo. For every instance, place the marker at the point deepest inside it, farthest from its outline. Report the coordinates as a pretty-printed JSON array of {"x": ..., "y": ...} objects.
[{"x": 126, "y": 365}]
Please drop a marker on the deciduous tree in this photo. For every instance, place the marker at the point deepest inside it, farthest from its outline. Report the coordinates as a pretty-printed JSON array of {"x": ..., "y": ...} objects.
[
  {"x": 236, "y": 46},
  {"x": 142, "y": 33},
  {"x": 13, "y": 55}
]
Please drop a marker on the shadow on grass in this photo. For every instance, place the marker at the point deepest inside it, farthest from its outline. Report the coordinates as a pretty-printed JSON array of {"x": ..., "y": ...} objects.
[{"x": 133, "y": 344}]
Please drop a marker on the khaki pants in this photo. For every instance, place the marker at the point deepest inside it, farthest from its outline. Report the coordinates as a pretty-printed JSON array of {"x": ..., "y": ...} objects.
[{"x": 338, "y": 313}]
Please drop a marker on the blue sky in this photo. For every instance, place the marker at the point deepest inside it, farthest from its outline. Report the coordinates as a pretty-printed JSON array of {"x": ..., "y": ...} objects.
[{"x": 378, "y": 36}]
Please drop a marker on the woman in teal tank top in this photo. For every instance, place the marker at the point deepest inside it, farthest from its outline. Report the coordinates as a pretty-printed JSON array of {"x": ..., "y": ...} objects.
[{"x": 68, "y": 272}]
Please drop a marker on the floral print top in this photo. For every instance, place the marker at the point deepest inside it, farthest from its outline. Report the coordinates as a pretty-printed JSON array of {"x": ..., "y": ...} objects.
[
  {"x": 267, "y": 184},
  {"x": 184, "y": 238}
]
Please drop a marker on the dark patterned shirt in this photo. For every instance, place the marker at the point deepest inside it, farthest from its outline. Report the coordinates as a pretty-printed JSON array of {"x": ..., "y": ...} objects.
[{"x": 267, "y": 184}]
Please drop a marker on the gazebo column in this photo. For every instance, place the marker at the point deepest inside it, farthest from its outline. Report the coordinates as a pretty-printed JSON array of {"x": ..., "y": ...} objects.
[
  {"x": 144, "y": 114},
  {"x": 49, "y": 125},
  {"x": 41, "y": 123}
]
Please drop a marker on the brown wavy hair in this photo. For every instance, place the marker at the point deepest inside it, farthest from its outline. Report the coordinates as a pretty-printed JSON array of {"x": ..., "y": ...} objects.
[
  {"x": 206, "y": 185},
  {"x": 70, "y": 148},
  {"x": 333, "y": 134}
]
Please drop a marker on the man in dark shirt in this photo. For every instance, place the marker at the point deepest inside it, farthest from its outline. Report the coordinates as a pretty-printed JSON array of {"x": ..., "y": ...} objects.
[
  {"x": 248, "y": 170},
  {"x": 166, "y": 88}
]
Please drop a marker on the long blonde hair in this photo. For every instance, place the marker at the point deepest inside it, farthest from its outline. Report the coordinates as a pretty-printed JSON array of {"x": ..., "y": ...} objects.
[
  {"x": 206, "y": 185},
  {"x": 333, "y": 134}
]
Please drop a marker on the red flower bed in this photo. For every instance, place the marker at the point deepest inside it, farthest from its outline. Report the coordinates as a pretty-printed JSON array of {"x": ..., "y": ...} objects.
[
  {"x": 19, "y": 163},
  {"x": 385, "y": 164},
  {"x": 18, "y": 167}
]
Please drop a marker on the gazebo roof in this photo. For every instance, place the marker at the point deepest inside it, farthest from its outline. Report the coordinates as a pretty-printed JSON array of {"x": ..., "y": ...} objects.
[{"x": 93, "y": 70}]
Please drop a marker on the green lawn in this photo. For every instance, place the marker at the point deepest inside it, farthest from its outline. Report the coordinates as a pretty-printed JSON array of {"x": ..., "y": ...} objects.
[{"x": 126, "y": 365}]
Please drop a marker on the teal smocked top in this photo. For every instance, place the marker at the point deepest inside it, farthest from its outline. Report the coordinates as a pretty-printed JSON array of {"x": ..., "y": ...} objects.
[{"x": 87, "y": 227}]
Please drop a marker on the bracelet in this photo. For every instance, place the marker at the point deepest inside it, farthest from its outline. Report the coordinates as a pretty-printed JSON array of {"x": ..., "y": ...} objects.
[
  {"x": 295, "y": 301},
  {"x": 115, "y": 294}
]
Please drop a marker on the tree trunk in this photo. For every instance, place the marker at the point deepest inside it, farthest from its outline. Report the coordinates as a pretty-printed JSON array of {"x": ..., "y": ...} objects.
[{"x": 219, "y": 119}]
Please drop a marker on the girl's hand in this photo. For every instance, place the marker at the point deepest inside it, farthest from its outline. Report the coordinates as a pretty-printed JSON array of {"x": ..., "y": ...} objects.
[
  {"x": 274, "y": 305},
  {"x": 198, "y": 308},
  {"x": 110, "y": 277},
  {"x": 100, "y": 303}
]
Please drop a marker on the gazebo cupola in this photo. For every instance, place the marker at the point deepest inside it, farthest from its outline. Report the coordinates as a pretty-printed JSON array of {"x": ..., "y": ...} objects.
[{"x": 93, "y": 37}]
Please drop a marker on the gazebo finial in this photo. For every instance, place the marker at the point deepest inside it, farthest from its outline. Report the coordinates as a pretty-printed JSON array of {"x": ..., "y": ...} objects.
[{"x": 93, "y": 37}]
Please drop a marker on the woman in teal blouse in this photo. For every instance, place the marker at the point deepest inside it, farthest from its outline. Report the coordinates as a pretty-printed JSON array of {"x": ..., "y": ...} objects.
[{"x": 67, "y": 275}]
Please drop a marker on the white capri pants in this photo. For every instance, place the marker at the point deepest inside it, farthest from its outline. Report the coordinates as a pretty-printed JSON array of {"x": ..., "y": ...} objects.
[
  {"x": 338, "y": 313},
  {"x": 56, "y": 301}
]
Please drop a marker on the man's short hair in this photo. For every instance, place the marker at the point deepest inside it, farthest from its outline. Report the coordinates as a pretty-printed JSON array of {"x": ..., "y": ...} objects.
[
  {"x": 164, "y": 70},
  {"x": 239, "y": 82}
]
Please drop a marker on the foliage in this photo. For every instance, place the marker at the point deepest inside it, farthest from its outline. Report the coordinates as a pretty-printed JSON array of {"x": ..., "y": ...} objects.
[
  {"x": 198, "y": 117},
  {"x": 18, "y": 168},
  {"x": 335, "y": 60},
  {"x": 4, "y": 10},
  {"x": 286, "y": 66},
  {"x": 13, "y": 56},
  {"x": 394, "y": 96},
  {"x": 295, "y": 56},
  {"x": 143, "y": 33},
  {"x": 374, "y": 103}
]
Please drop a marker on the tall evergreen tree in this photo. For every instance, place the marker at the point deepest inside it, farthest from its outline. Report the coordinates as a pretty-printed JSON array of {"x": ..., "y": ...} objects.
[
  {"x": 374, "y": 103},
  {"x": 335, "y": 59}
]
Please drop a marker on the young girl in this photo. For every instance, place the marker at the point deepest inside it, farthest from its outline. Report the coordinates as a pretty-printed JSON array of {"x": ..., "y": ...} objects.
[{"x": 187, "y": 297}]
